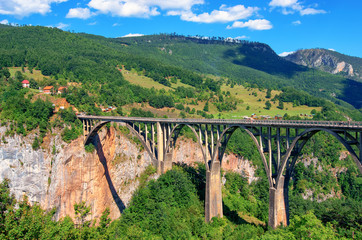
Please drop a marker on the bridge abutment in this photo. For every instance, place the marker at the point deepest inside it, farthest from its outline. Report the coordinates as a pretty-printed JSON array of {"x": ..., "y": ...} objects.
[
  {"x": 279, "y": 205},
  {"x": 213, "y": 196}
]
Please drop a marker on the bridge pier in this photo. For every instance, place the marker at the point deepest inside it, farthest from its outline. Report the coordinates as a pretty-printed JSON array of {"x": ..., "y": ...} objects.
[
  {"x": 167, "y": 162},
  {"x": 279, "y": 204},
  {"x": 160, "y": 147},
  {"x": 213, "y": 196}
]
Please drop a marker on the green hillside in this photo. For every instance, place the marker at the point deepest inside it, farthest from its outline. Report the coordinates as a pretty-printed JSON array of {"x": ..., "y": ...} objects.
[
  {"x": 242, "y": 62},
  {"x": 163, "y": 75}
]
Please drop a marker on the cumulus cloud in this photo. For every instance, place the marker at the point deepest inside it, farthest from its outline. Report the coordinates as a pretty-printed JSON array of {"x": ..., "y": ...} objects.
[
  {"x": 292, "y": 6},
  {"x": 297, "y": 22},
  {"x": 5, "y": 21},
  {"x": 311, "y": 11},
  {"x": 141, "y": 8},
  {"x": 242, "y": 37},
  {"x": 62, "y": 25},
  {"x": 125, "y": 8},
  {"x": 223, "y": 15},
  {"x": 134, "y": 35},
  {"x": 257, "y": 24},
  {"x": 284, "y": 54},
  {"x": 82, "y": 13},
  {"x": 282, "y": 3},
  {"x": 23, "y": 8}
]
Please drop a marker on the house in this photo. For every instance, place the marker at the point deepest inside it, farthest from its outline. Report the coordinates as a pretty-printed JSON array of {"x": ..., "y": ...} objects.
[
  {"x": 26, "y": 84},
  {"x": 48, "y": 89},
  {"x": 61, "y": 90},
  {"x": 278, "y": 117}
]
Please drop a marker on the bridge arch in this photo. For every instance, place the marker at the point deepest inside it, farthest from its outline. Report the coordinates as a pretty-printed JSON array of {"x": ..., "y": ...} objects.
[
  {"x": 100, "y": 124},
  {"x": 305, "y": 137},
  {"x": 224, "y": 140},
  {"x": 176, "y": 130}
]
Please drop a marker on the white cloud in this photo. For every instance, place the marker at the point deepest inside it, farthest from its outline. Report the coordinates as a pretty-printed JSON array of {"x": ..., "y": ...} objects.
[
  {"x": 282, "y": 3},
  {"x": 141, "y": 8},
  {"x": 223, "y": 15},
  {"x": 332, "y": 49},
  {"x": 92, "y": 23},
  {"x": 62, "y": 25},
  {"x": 257, "y": 24},
  {"x": 292, "y": 6},
  {"x": 284, "y": 54},
  {"x": 134, "y": 35},
  {"x": 82, "y": 13},
  {"x": 311, "y": 11},
  {"x": 125, "y": 8},
  {"x": 5, "y": 21},
  {"x": 297, "y": 22},
  {"x": 242, "y": 37},
  {"x": 115, "y": 24},
  {"x": 23, "y": 8}
]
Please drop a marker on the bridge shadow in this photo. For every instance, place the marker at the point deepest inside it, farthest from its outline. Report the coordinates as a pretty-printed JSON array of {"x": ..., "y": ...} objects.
[{"x": 97, "y": 143}]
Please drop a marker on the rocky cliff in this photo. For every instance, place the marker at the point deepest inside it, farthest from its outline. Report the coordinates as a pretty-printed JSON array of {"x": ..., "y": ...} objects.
[
  {"x": 328, "y": 61},
  {"x": 60, "y": 176}
]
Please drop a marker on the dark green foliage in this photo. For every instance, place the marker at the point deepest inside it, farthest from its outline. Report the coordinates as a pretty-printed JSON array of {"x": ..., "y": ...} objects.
[
  {"x": 166, "y": 208},
  {"x": 267, "y": 105},
  {"x": 89, "y": 148},
  {"x": 35, "y": 144},
  {"x": 206, "y": 107},
  {"x": 71, "y": 133},
  {"x": 268, "y": 93},
  {"x": 161, "y": 101}
]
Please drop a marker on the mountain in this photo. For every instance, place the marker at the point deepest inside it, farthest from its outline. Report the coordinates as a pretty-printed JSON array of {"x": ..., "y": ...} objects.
[
  {"x": 329, "y": 61},
  {"x": 205, "y": 65},
  {"x": 243, "y": 62}
]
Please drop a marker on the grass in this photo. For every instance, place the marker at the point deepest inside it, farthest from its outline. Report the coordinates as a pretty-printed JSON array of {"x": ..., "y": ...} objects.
[
  {"x": 257, "y": 107},
  {"x": 134, "y": 78},
  {"x": 244, "y": 96},
  {"x": 143, "y": 81},
  {"x": 36, "y": 75}
]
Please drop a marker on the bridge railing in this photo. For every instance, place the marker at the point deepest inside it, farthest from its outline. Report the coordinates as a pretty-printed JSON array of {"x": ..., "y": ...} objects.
[{"x": 293, "y": 123}]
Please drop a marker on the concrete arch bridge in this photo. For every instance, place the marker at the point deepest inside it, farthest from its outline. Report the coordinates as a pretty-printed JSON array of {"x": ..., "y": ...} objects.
[{"x": 279, "y": 143}]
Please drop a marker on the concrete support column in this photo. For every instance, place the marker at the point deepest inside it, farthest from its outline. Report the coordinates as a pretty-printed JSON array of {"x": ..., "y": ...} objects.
[
  {"x": 160, "y": 148},
  {"x": 213, "y": 196},
  {"x": 279, "y": 204},
  {"x": 167, "y": 162}
]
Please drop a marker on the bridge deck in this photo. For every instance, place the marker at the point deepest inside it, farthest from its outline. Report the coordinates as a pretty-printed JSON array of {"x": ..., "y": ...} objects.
[{"x": 355, "y": 126}]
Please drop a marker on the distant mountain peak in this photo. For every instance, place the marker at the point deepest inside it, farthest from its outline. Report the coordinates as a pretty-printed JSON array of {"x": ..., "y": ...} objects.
[{"x": 328, "y": 61}]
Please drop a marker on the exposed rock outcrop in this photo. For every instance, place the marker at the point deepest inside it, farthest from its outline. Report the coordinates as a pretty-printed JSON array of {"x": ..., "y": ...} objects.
[
  {"x": 64, "y": 175},
  {"x": 328, "y": 61}
]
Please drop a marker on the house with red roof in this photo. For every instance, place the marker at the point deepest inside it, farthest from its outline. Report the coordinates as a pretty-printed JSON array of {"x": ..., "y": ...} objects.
[
  {"x": 61, "y": 90},
  {"x": 48, "y": 89},
  {"x": 25, "y": 84}
]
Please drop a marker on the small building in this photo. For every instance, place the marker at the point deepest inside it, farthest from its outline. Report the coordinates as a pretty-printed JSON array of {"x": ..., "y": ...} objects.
[
  {"x": 25, "y": 84},
  {"x": 61, "y": 90},
  {"x": 278, "y": 117},
  {"x": 48, "y": 89}
]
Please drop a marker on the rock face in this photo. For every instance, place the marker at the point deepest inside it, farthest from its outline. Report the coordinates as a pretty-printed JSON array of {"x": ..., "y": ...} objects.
[
  {"x": 65, "y": 174},
  {"x": 328, "y": 61}
]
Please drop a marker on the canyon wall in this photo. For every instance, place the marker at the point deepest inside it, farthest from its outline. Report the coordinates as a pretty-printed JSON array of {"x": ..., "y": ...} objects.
[{"x": 60, "y": 175}]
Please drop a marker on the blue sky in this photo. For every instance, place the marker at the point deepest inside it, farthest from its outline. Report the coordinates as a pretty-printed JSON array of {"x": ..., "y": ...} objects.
[{"x": 286, "y": 25}]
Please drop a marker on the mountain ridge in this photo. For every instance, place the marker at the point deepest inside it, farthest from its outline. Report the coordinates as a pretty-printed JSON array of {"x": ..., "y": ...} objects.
[{"x": 328, "y": 61}]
